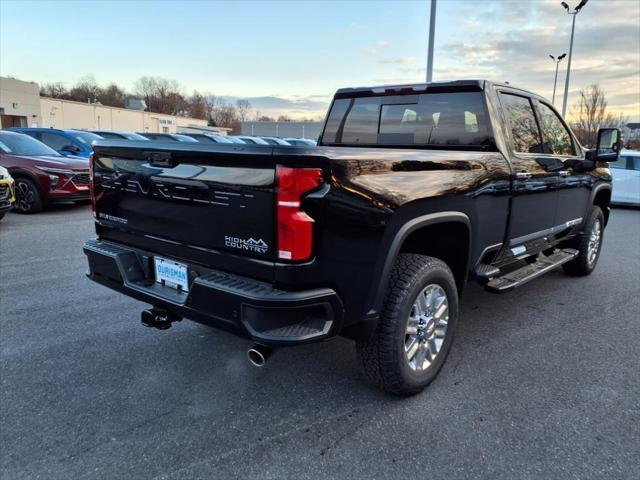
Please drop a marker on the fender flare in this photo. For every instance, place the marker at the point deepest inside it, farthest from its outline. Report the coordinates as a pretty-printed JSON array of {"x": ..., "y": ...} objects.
[
  {"x": 383, "y": 269},
  {"x": 597, "y": 189}
]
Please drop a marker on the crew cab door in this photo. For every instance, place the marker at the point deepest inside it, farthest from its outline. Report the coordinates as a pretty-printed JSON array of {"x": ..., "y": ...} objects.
[
  {"x": 533, "y": 205},
  {"x": 561, "y": 156}
]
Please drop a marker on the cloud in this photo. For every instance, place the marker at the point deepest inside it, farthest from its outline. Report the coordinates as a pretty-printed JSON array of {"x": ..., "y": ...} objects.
[
  {"x": 376, "y": 47},
  {"x": 399, "y": 61},
  {"x": 522, "y": 35}
]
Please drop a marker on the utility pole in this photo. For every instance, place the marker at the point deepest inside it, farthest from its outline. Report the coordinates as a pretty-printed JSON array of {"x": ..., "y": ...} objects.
[
  {"x": 575, "y": 12},
  {"x": 555, "y": 80},
  {"x": 432, "y": 31}
]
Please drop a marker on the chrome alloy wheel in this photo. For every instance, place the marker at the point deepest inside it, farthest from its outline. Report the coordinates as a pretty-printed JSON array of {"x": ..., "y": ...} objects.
[
  {"x": 24, "y": 196},
  {"x": 426, "y": 327},
  {"x": 594, "y": 242}
]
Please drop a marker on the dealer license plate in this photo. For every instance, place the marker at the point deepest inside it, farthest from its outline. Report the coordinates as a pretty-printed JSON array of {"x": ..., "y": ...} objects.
[{"x": 171, "y": 274}]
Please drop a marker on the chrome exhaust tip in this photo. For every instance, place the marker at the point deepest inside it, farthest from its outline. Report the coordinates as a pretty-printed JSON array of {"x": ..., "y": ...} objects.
[{"x": 259, "y": 354}]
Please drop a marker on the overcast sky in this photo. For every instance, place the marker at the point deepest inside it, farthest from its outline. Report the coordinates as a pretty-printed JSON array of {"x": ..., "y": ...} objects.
[{"x": 291, "y": 56}]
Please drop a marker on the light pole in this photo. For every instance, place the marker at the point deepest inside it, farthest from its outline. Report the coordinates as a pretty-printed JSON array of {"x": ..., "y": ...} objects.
[
  {"x": 575, "y": 12},
  {"x": 432, "y": 31},
  {"x": 555, "y": 80}
]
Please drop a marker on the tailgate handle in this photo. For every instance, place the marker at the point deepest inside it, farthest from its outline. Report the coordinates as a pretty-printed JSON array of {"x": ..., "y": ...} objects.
[{"x": 160, "y": 159}]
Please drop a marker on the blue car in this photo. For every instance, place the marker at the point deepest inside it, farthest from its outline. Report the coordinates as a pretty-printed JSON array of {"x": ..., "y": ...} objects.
[{"x": 70, "y": 143}]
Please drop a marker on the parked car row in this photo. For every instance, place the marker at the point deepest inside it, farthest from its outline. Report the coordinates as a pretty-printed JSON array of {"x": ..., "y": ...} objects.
[
  {"x": 77, "y": 143},
  {"x": 41, "y": 175},
  {"x": 242, "y": 139},
  {"x": 45, "y": 166}
]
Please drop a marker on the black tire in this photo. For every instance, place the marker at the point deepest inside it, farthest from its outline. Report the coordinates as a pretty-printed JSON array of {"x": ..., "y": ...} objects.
[
  {"x": 383, "y": 355},
  {"x": 585, "y": 262},
  {"x": 28, "y": 198}
]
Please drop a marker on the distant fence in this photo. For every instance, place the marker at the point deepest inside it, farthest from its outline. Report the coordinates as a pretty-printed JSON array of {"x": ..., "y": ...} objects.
[{"x": 283, "y": 129}]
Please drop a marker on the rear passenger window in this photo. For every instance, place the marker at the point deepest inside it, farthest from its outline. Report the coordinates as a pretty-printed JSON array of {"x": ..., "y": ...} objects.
[
  {"x": 524, "y": 129},
  {"x": 361, "y": 124},
  {"x": 431, "y": 119},
  {"x": 398, "y": 124},
  {"x": 557, "y": 139}
]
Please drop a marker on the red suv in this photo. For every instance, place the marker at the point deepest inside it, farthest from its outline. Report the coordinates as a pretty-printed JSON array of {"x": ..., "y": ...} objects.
[{"x": 42, "y": 176}]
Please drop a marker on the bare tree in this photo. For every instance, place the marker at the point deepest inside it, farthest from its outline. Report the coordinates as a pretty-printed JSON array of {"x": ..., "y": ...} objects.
[
  {"x": 210, "y": 101},
  {"x": 224, "y": 114},
  {"x": 591, "y": 115},
  {"x": 197, "y": 106},
  {"x": 54, "y": 90},
  {"x": 244, "y": 108},
  {"x": 112, "y": 95},
  {"x": 161, "y": 95},
  {"x": 86, "y": 90},
  {"x": 284, "y": 118}
]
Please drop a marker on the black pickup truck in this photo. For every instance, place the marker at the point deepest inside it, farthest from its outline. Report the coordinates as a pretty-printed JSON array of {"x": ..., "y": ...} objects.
[{"x": 413, "y": 191}]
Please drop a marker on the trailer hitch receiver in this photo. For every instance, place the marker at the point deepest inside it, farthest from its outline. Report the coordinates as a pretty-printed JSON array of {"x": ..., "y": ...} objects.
[{"x": 158, "y": 318}]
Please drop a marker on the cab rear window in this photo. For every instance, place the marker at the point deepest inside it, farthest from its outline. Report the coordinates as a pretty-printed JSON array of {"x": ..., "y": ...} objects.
[{"x": 430, "y": 119}]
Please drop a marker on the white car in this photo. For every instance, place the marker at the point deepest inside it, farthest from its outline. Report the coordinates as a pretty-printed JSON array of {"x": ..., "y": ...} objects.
[{"x": 626, "y": 178}]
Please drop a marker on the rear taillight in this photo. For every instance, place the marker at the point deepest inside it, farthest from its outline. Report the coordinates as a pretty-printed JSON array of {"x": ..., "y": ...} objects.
[
  {"x": 91, "y": 188},
  {"x": 295, "y": 228}
]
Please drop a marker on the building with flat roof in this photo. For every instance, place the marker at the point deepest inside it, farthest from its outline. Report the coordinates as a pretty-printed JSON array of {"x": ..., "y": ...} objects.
[
  {"x": 19, "y": 103},
  {"x": 22, "y": 106}
]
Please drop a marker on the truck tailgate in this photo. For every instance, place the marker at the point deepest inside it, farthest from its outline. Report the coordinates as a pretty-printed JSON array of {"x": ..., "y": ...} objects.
[{"x": 207, "y": 200}]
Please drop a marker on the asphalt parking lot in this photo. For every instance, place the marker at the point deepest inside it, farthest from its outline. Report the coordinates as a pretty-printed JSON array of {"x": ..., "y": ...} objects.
[{"x": 543, "y": 382}]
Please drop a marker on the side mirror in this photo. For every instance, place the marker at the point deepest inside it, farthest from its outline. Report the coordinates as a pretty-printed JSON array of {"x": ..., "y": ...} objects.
[{"x": 608, "y": 146}]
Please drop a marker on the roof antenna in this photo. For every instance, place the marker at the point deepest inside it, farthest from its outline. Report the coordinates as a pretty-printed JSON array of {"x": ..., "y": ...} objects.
[{"x": 506, "y": 82}]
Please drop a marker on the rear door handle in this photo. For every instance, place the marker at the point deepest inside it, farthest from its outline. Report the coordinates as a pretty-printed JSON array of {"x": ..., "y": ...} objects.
[{"x": 523, "y": 175}]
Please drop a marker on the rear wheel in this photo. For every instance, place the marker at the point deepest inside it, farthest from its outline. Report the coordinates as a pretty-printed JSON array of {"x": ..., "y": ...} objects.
[
  {"x": 415, "y": 331},
  {"x": 589, "y": 245},
  {"x": 28, "y": 199}
]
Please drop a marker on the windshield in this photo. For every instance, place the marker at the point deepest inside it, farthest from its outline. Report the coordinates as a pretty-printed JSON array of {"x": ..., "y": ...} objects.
[
  {"x": 19, "y": 144},
  {"x": 134, "y": 136},
  {"x": 86, "y": 138},
  {"x": 184, "y": 138},
  {"x": 275, "y": 141},
  {"x": 220, "y": 139},
  {"x": 257, "y": 141}
]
